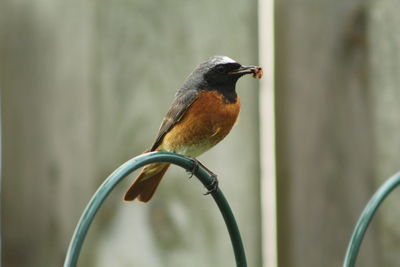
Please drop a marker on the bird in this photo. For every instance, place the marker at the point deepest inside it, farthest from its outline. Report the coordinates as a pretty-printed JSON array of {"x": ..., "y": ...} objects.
[{"x": 202, "y": 113}]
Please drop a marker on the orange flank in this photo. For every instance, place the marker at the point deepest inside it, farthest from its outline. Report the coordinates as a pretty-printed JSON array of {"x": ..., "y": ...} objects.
[{"x": 206, "y": 122}]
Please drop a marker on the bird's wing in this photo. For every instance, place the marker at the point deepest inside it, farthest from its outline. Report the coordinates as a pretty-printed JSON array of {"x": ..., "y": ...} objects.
[{"x": 182, "y": 102}]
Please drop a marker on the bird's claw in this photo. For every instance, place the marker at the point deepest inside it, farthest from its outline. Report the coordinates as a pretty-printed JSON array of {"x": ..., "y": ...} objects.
[
  {"x": 194, "y": 169},
  {"x": 196, "y": 165},
  {"x": 213, "y": 187}
]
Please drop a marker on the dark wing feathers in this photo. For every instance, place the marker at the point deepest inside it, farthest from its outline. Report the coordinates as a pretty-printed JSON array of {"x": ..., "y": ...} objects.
[{"x": 182, "y": 102}]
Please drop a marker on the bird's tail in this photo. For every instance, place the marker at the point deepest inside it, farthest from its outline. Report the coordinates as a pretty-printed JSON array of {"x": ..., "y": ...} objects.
[{"x": 146, "y": 183}]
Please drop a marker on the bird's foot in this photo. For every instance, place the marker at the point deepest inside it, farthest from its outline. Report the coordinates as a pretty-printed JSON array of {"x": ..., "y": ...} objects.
[
  {"x": 196, "y": 165},
  {"x": 214, "y": 184}
]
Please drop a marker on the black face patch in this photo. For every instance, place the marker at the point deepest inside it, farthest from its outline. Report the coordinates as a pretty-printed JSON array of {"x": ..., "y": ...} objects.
[
  {"x": 221, "y": 73},
  {"x": 230, "y": 97},
  {"x": 218, "y": 73},
  {"x": 226, "y": 68},
  {"x": 219, "y": 78}
]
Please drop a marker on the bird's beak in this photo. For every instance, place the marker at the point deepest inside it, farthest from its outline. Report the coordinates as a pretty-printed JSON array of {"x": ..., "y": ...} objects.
[{"x": 245, "y": 70}]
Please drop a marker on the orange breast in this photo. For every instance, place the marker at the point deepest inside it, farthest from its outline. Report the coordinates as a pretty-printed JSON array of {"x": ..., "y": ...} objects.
[{"x": 207, "y": 121}]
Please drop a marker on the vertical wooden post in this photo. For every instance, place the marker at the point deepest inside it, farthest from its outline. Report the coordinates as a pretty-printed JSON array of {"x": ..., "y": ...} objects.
[{"x": 267, "y": 134}]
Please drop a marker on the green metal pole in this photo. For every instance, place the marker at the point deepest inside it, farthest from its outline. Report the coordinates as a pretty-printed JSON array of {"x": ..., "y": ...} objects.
[
  {"x": 125, "y": 169},
  {"x": 366, "y": 217}
]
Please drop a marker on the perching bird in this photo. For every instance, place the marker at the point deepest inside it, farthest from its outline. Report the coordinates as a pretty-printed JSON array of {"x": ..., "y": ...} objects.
[{"x": 203, "y": 112}]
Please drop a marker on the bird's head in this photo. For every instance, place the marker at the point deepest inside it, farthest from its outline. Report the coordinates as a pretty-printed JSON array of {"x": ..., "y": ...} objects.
[
  {"x": 219, "y": 73},
  {"x": 222, "y": 69}
]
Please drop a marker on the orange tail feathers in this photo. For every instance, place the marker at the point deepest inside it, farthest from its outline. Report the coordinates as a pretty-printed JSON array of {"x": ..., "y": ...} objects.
[{"x": 146, "y": 183}]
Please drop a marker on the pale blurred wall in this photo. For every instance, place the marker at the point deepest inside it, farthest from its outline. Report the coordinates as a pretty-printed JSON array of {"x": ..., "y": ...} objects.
[
  {"x": 85, "y": 85},
  {"x": 338, "y": 128}
]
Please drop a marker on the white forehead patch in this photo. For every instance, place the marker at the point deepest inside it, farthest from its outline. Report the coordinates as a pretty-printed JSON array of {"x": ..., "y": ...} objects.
[{"x": 222, "y": 60}]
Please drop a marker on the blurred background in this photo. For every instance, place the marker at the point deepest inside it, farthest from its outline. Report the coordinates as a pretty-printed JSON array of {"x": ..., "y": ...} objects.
[{"x": 85, "y": 84}]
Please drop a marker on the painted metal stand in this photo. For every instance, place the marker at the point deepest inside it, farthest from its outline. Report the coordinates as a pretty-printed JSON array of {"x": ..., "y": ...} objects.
[
  {"x": 124, "y": 170},
  {"x": 119, "y": 174},
  {"x": 366, "y": 217}
]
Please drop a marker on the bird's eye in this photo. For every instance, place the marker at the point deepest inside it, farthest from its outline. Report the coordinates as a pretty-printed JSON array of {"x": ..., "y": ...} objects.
[{"x": 220, "y": 69}]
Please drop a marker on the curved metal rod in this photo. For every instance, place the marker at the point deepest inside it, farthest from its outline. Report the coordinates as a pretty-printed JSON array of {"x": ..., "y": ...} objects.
[
  {"x": 366, "y": 217},
  {"x": 119, "y": 174}
]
